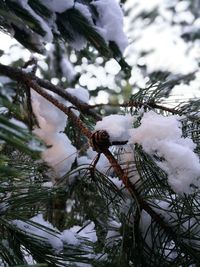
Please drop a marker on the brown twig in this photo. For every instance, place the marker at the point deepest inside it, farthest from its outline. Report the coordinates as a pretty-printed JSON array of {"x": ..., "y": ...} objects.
[
  {"x": 139, "y": 104},
  {"x": 55, "y": 102},
  {"x": 18, "y": 74}
]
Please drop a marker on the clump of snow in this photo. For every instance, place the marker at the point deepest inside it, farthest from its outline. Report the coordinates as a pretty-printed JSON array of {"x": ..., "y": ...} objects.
[
  {"x": 61, "y": 155},
  {"x": 47, "y": 184},
  {"x": 58, "y": 5},
  {"x": 85, "y": 11},
  {"x": 49, "y": 117},
  {"x": 87, "y": 232},
  {"x": 45, "y": 231},
  {"x": 163, "y": 207},
  {"x": 110, "y": 20},
  {"x": 145, "y": 222},
  {"x": 52, "y": 122},
  {"x": 45, "y": 26},
  {"x": 79, "y": 42},
  {"x": 39, "y": 229},
  {"x": 163, "y": 136},
  {"x": 69, "y": 237},
  {"x": 117, "y": 126}
]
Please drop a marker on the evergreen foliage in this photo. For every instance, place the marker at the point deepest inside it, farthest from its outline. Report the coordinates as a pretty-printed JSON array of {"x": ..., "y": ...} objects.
[{"x": 126, "y": 215}]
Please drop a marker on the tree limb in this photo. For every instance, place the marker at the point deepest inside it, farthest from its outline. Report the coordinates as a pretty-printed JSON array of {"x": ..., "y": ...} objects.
[
  {"x": 19, "y": 74},
  {"x": 33, "y": 82}
]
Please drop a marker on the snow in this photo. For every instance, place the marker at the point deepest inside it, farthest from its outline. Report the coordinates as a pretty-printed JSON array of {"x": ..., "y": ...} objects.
[
  {"x": 42, "y": 233},
  {"x": 163, "y": 136},
  {"x": 52, "y": 122},
  {"x": 61, "y": 155},
  {"x": 47, "y": 184},
  {"x": 79, "y": 42},
  {"x": 18, "y": 123},
  {"x": 145, "y": 227},
  {"x": 110, "y": 21},
  {"x": 85, "y": 11},
  {"x": 166, "y": 211},
  {"x": 58, "y": 5},
  {"x": 49, "y": 36},
  {"x": 155, "y": 127},
  {"x": 147, "y": 230},
  {"x": 45, "y": 231},
  {"x": 69, "y": 237},
  {"x": 87, "y": 232},
  {"x": 117, "y": 126},
  {"x": 49, "y": 117},
  {"x": 117, "y": 182}
]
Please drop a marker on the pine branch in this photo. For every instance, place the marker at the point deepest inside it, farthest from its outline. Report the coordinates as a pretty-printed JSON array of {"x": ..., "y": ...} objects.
[
  {"x": 26, "y": 79},
  {"x": 19, "y": 75},
  {"x": 143, "y": 205}
]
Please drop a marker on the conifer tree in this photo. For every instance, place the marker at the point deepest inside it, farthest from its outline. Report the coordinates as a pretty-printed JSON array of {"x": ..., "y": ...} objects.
[{"x": 88, "y": 184}]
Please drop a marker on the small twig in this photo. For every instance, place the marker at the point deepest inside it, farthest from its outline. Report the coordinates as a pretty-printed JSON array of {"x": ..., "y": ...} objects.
[
  {"x": 138, "y": 104},
  {"x": 93, "y": 166}
]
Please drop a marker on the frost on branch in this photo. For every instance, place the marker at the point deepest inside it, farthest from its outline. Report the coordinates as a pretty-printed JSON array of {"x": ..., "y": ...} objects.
[{"x": 117, "y": 126}]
